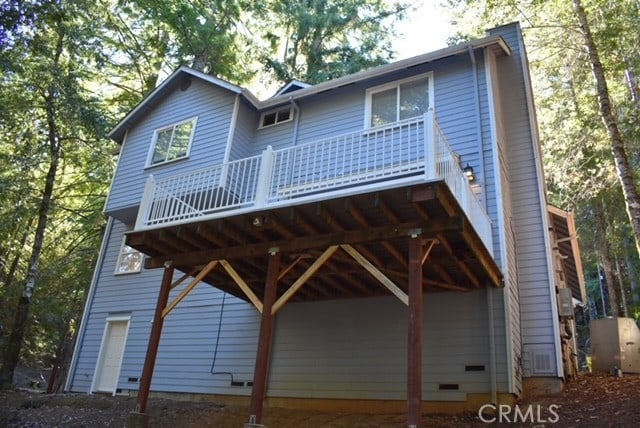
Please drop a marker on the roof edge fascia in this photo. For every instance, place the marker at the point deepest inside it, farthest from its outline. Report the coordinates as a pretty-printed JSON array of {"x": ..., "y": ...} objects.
[
  {"x": 389, "y": 68},
  {"x": 315, "y": 89},
  {"x": 166, "y": 82}
]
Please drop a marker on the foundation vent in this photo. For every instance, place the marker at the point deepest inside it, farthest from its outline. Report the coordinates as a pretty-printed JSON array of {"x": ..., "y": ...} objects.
[
  {"x": 477, "y": 368},
  {"x": 542, "y": 363},
  {"x": 448, "y": 387}
]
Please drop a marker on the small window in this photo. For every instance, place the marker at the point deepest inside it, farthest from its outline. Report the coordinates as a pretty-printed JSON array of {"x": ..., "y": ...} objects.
[
  {"x": 129, "y": 260},
  {"x": 399, "y": 100},
  {"x": 172, "y": 142},
  {"x": 275, "y": 117}
]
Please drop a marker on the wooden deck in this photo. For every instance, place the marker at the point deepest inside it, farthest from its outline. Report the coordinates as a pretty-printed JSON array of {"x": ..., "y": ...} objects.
[{"x": 375, "y": 226}]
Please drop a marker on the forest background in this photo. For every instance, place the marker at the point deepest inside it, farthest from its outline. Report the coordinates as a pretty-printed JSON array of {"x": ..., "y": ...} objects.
[{"x": 71, "y": 69}]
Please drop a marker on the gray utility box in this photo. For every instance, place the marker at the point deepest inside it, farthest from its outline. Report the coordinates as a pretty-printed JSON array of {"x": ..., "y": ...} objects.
[{"x": 615, "y": 342}]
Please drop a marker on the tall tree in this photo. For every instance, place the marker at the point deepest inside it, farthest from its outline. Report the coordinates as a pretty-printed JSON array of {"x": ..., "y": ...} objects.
[
  {"x": 579, "y": 154},
  {"x": 70, "y": 68},
  {"x": 625, "y": 171},
  {"x": 324, "y": 39},
  {"x": 54, "y": 117}
]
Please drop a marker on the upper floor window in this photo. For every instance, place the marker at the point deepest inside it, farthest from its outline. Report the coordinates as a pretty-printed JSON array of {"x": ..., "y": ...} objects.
[
  {"x": 274, "y": 117},
  {"x": 172, "y": 142},
  {"x": 399, "y": 100},
  {"x": 129, "y": 260}
]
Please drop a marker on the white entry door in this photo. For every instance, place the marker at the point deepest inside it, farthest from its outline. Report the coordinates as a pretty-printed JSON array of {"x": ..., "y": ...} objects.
[{"x": 111, "y": 353}]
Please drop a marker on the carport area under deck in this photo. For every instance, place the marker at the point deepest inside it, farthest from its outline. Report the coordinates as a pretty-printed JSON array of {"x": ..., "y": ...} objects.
[{"x": 405, "y": 241}]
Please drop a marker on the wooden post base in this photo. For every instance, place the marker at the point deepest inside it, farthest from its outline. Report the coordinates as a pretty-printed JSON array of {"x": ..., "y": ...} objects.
[{"x": 138, "y": 420}]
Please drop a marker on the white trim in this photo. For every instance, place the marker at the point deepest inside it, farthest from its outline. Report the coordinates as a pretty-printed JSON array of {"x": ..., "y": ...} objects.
[
  {"x": 232, "y": 130},
  {"x": 489, "y": 65},
  {"x": 299, "y": 84},
  {"x": 173, "y": 126},
  {"x": 537, "y": 152},
  {"x": 396, "y": 84},
  {"x": 276, "y": 111},
  {"x": 107, "y": 326},
  {"x": 87, "y": 304},
  {"x": 462, "y": 48},
  {"x": 116, "y": 170},
  {"x": 165, "y": 86},
  {"x": 121, "y": 253}
]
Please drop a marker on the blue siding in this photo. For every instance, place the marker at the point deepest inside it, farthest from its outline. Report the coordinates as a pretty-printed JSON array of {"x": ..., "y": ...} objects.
[
  {"x": 213, "y": 106},
  {"x": 192, "y": 333},
  {"x": 319, "y": 348},
  {"x": 243, "y": 142},
  {"x": 531, "y": 252}
]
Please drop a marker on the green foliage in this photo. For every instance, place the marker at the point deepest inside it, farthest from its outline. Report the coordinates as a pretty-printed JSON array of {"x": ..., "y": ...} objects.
[
  {"x": 324, "y": 39},
  {"x": 578, "y": 159},
  {"x": 48, "y": 110},
  {"x": 72, "y": 69}
]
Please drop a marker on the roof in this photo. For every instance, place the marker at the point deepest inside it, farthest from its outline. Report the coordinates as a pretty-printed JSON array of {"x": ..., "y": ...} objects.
[
  {"x": 294, "y": 85},
  {"x": 183, "y": 75}
]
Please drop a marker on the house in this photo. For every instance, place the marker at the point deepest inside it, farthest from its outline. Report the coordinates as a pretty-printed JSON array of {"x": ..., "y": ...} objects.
[{"x": 378, "y": 242}]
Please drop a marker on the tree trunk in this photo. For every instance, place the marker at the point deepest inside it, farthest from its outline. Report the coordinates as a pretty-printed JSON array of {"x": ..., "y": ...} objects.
[
  {"x": 623, "y": 294},
  {"x": 634, "y": 285},
  {"x": 625, "y": 172},
  {"x": 605, "y": 259},
  {"x": 8, "y": 276},
  {"x": 13, "y": 346}
]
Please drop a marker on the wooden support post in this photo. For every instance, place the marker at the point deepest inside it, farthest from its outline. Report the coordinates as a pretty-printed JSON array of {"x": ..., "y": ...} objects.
[
  {"x": 414, "y": 364},
  {"x": 138, "y": 417},
  {"x": 261, "y": 371}
]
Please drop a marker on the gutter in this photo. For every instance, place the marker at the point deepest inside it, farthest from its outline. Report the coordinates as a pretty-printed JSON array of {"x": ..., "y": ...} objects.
[
  {"x": 389, "y": 68},
  {"x": 118, "y": 131}
]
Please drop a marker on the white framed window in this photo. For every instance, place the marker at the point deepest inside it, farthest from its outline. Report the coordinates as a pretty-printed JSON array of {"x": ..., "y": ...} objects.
[
  {"x": 275, "y": 117},
  {"x": 171, "y": 142},
  {"x": 399, "y": 100},
  {"x": 130, "y": 260}
]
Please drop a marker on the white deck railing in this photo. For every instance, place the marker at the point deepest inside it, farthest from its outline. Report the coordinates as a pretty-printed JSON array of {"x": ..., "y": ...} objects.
[{"x": 407, "y": 151}]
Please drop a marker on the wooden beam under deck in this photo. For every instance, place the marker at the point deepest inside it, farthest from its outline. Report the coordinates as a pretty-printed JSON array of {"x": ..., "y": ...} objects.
[
  {"x": 140, "y": 239},
  {"x": 303, "y": 278},
  {"x": 411, "y": 240},
  {"x": 415, "y": 333},
  {"x": 375, "y": 225}
]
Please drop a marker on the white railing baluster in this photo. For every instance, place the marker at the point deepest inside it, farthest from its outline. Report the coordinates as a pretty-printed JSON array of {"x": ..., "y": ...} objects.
[
  {"x": 264, "y": 177},
  {"x": 145, "y": 203},
  {"x": 408, "y": 148},
  {"x": 430, "y": 142}
]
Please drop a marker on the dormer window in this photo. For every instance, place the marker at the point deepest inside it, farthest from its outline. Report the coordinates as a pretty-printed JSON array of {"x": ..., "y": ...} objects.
[
  {"x": 399, "y": 100},
  {"x": 172, "y": 142},
  {"x": 275, "y": 117}
]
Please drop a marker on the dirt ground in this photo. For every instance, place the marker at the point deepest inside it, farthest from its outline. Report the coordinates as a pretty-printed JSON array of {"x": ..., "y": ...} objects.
[{"x": 593, "y": 400}]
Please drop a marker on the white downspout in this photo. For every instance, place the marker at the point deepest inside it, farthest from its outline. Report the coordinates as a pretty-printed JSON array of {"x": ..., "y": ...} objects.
[
  {"x": 232, "y": 129},
  {"x": 492, "y": 349},
  {"x": 493, "y": 378},
  {"x": 479, "y": 130},
  {"x": 296, "y": 120}
]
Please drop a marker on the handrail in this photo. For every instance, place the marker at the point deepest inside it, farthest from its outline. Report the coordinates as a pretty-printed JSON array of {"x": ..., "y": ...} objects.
[{"x": 404, "y": 150}]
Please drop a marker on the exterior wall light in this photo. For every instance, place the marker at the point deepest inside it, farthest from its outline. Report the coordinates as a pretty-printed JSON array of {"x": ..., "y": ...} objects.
[{"x": 468, "y": 172}]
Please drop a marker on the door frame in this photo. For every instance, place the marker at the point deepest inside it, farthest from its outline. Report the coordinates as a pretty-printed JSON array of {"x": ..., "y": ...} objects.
[{"x": 103, "y": 344}]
